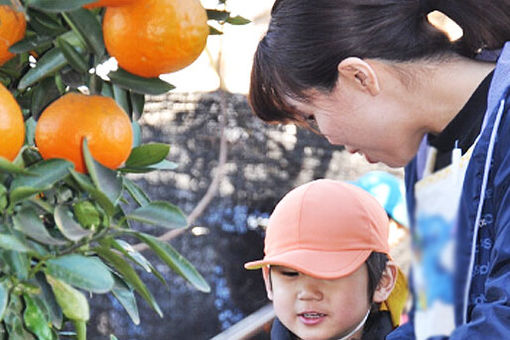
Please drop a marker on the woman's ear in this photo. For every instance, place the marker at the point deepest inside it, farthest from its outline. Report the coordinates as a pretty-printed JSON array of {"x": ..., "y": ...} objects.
[
  {"x": 360, "y": 73},
  {"x": 386, "y": 283},
  {"x": 267, "y": 282}
]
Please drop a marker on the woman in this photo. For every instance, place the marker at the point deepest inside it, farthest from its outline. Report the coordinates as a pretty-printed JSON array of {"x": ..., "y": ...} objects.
[{"x": 378, "y": 78}]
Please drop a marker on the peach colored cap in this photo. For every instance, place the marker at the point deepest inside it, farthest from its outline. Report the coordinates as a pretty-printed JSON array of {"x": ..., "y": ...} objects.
[{"x": 325, "y": 229}]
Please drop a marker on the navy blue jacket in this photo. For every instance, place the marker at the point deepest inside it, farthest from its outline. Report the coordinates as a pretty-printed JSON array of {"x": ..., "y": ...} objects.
[{"x": 482, "y": 272}]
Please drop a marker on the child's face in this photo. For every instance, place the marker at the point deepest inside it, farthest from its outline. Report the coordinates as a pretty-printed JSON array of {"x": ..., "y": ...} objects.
[{"x": 317, "y": 309}]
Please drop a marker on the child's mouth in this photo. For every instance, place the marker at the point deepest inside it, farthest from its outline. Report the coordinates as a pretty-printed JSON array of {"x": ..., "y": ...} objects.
[{"x": 311, "y": 318}]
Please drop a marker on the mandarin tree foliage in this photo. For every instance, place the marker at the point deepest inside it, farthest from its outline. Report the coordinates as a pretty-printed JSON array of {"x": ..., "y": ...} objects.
[{"x": 68, "y": 138}]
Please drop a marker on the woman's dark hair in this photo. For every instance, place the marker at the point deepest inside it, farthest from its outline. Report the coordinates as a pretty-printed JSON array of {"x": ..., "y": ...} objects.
[{"x": 307, "y": 39}]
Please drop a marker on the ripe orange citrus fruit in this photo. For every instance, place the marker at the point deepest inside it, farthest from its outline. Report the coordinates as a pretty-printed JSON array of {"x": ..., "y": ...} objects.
[
  {"x": 12, "y": 127},
  {"x": 151, "y": 37},
  {"x": 12, "y": 30},
  {"x": 107, "y": 3},
  {"x": 64, "y": 123}
]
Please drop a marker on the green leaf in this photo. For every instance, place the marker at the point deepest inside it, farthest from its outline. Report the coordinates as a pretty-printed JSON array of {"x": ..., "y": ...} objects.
[
  {"x": 45, "y": 175},
  {"x": 73, "y": 303},
  {"x": 87, "y": 214},
  {"x": 104, "y": 179},
  {"x": 214, "y": 31},
  {"x": 28, "y": 222},
  {"x": 121, "y": 97},
  {"x": 74, "y": 58},
  {"x": 238, "y": 20},
  {"x": 48, "y": 298},
  {"x": 213, "y": 14},
  {"x": 128, "y": 251},
  {"x": 84, "y": 272},
  {"x": 6, "y": 166},
  {"x": 175, "y": 261},
  {"x": 85, "y": 23},
  {"x": 35, "y": 320},
  {"x": 160, "y": 213},
  {"x": 163, "y": 165},
  {"x": 57, "y": 5},
  {"x": 11, "y": 242},
  {"x": 136, "y": 192},
  {"x": 50, "y": 63},
  {"x": 147, "y": 154},
  {"x": 137, "y": 133},
  {"x": 113, "y": 337},
  {"x": 127, "y": 299},
  {"x": 4, "y": 298},
  {"x": 3, "y": 197},
  {"x": 14, "y": 322},
  {"x": 129, "y": 275},
  {"x": 137, "y": 103},
  {"x": 31, "y": 43},
  {"x": 101, "y": 198},
  {"x": 68, "y": 226},
  {"x": 138, "y": 84},
  {"x": 18, "y": 263},
  {"x": 43, "y": 93}
]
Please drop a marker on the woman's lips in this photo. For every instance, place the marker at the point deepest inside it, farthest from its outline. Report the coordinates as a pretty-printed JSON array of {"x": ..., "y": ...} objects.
[{"x": 311, "y": 318}]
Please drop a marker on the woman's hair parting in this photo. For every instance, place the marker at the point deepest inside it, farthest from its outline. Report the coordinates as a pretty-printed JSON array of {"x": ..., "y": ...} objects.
[{"x": 306, "y": 40}]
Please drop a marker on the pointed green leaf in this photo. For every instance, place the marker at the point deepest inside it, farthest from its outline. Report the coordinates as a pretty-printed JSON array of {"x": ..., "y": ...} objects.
[
  {"x": 138, "y": 84},
  {"x": 163, "y": 165},
  {"x": 68, "y": 226},
  {"x": 73, "y": 303},
  {"x": 137, "y": 103},
  {"x": 214, "y": 31},
  {"x": 45, "y": 174},
  {"x": 147, "y": 154},
  {"x": 160, "y": 213},
  {"x": 127, "y": 250},
  {"x": 11, "y": 242},
  {"x": 127, "y": 299},
  {"x": 31, "y": 43},
  {"x": 28, "y": 222},
  {"x": 35, "y": 320},
  {"x": 85, "y": 23},
  {"x": 175, "y": 261},
  {"x": 50, "y": 62},
  {"x": 49, "y": 300},
  {"x": 6, "y": 166},
  {"x": 84, "y": 272},
  {"x": 238, "y": 20},
  {"x": 121, "y": 96},
  {"x": 129, "y": 275},
  {"x": 4, "y": 298},
  {"x": 104, "y": 179},
  {"x": 57, "y": 5},
  {"x": 136, "y": 192},
  {"x": 73, "y": 57}
]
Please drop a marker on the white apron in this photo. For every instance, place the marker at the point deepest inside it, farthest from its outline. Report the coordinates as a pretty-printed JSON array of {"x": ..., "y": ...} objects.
[{"x": 437, "y": 201}]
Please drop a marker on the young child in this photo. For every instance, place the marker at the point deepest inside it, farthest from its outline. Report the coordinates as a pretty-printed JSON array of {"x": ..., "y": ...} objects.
[{"x": 327, "y": 267}]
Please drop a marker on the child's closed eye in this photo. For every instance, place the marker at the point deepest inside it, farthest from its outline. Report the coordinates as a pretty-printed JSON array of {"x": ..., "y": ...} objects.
[{"x": 289, "y": 273}]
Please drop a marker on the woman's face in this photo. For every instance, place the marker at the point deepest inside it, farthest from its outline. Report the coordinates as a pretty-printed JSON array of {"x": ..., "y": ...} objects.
[
  {"x": 381, "y": 127},
  {"x": 317, "y": 309}
]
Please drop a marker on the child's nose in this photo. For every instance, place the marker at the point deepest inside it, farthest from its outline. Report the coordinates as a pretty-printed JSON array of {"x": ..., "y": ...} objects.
[{"x": 309, "y": 291}]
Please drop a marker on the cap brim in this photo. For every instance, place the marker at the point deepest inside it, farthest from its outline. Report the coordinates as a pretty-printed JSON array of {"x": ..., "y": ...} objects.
[{"x": 319, "y": 264}]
